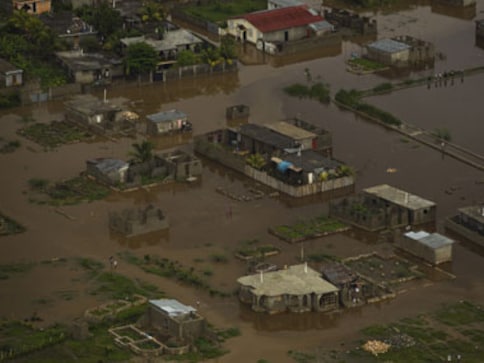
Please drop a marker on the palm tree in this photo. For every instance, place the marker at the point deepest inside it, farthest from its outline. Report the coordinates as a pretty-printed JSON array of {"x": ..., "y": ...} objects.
[{"x": 143, "y": 151}]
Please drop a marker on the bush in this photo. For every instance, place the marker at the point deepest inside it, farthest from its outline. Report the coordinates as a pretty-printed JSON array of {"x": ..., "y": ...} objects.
[{"x": 383, "y": 87}]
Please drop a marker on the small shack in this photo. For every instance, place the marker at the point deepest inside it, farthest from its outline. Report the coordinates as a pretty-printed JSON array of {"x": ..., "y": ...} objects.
[
  {"x": 388, "y": 51},
  {"x": 166, "y": 122},
  {"x": 468, "y": 223},
  {"x": 10, "y": 75},
  {"x": 297, "y": 288},
  {"x": 171, "y": 318},
  {"x": 107, "y": 170},
  {"x": 431, "y": 247}
]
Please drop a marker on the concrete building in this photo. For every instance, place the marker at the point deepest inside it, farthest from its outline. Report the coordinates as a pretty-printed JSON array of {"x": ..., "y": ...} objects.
[
  {"x": 297, "y": 288},
  {"x": 431, "y": 247},
  {"x": 181, "y": 165},
  {"x": 108, "y": 171},
  {"x": 103, "y": 117},
  {"x": 417, "y": 209},
  {"x": 174, "y": 320},
  {"x": 90, "y": 68},
  {"x": 134, "y": 222},
  {"x": 10, "y": 75},
  {"x": 384, "y": 207},
  {"x": 172, "y": 43},
  {"x": 277, "y": 4},
  {"x": 468, "y": 223},
  {"x": 344, "y": 19},
  {"x": 167, "y": 122},
  {"x": 402, "y": 51},
  {"x": 34, "y": 7}
]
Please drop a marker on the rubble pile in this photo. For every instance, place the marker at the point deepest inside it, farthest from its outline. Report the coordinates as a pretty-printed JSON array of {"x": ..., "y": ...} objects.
[{"x": 376, "y": 347}]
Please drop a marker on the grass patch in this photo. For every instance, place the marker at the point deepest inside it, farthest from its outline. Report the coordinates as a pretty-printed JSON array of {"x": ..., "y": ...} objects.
[
  {"x": 9, "y": 226},
  {"x": 306, "y": 229},
  {"x": 8, "y": 146},
  {"x": 462, "y": 313},
  {"x": 17, "y": 268},
  {"x": 117, "y": 286},
  {"x": 365, "y": 65},
  {"x": 55, "y": 133},
  {"x": 218, "y": 11},
  {"x": 317, "y": 91},
  {"x": 69, "y": 192}
]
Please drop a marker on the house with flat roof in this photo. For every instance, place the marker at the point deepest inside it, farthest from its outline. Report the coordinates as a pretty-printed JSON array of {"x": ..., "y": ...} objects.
[
  {"x": 10, "y": 75},
  {"x": 384, "y": 207},
  {"x": 107, "y": 170},
  {"x": 172, "y": 43},
  {"x": 401, "y": 51},
  {"x": 70, "y": 28},
  {"x": 133, "y": 222},
  {"x": 176, "y": 321},
  {"x": 34, "y": 7},
  {"x": 434, "y": 248},
  {"x": 90, "y": 68},
  {"x": 297, "y": 288}
]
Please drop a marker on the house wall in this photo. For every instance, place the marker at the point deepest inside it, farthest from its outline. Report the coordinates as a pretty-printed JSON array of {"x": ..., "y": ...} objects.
[
  {"x": 188, "y": 330},
  {"x": 12, "y": 78},
  {"x": 421, "y": 250},
  {"x": 252, "y": 34},
  {"x": 286, "y": 35},
  {"x": 423, "y": 216},
  {"x": 388, "y": 58},
  {"x": 84, "y": 77},
  {"x": 462, "y": 230},
  {"x": 36, "y": 6}
]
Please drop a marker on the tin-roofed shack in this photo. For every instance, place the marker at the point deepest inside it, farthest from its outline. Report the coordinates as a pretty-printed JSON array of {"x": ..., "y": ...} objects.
[
  {"x": 10, "y": 75},
  {"x": 297, "y": 288},
  {"x": 401, "y": 51},
  {"x": 433, "y": 248},
  {"x": 166, "y": 122}
]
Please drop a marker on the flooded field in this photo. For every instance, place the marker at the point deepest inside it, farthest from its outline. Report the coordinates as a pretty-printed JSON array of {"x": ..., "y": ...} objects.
[{"x": 200, "y": 226}]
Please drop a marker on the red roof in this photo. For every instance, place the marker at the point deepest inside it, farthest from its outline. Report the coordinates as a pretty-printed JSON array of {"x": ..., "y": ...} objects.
[{"x": 283, "y": 18}]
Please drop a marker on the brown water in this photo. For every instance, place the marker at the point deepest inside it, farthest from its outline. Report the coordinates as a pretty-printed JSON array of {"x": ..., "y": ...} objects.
[{"x": 199, "y": 223}]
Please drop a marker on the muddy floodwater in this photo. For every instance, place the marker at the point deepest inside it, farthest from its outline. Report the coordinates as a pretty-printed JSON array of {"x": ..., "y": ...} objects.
[{"x": 199, "y": 223}]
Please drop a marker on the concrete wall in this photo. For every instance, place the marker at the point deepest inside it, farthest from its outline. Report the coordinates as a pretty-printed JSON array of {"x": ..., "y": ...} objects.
[
  {"x": 421, "y": 250},
  {"x": 250, "y": 34},
  {"x": 388, "y": 58},
  {"x": 465, "y": 232},
  {"x": 300, "y": 45}
]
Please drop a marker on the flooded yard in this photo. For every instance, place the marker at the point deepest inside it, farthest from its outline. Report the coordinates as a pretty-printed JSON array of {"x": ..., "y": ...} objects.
[{"x": 201, "y": 228}]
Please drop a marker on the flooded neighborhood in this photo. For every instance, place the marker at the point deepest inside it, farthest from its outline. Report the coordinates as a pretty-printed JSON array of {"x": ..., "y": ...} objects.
[{"x": 318, "y": 196}]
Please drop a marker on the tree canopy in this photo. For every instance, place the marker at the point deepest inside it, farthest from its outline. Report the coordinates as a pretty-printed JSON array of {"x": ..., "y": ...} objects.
[{"x": 140, "y": 58}]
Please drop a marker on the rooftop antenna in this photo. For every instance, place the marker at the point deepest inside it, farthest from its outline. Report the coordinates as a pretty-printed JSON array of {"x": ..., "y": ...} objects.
[
  {"x": 305, "y": 267},
  {"x": 261, "y": 276},
  {"x": 105, "y": 95}
]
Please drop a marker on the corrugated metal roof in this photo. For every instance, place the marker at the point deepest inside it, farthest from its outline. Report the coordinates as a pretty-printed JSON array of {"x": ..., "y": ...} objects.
[
  {"x": 295, "y": 280},
  {"x": 267, "y": 136},
  {"x": 400, "y": 197},
  {"x": 388, "y": 46},
  {"x": 172, "y": 307},
  {"x": 434, "y": 240},
  {"x": 171, "y": 40},
  {"x": 166, "y": 116},
  {"x": 283, "y": 18},
  {"x": 322, "y": 25},
  {"x": 107, "y": 165}
]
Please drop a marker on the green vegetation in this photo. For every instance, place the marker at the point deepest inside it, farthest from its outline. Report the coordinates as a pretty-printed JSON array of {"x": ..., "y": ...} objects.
[
  {"x": 352, "y": 99},
  {"x": 10, "y": 99},
  {"x": 142, "y": 152},
  {"x": 219, "y": 258},
  {"x": 55, "y": 133},
  {"x": 318, "y": 91},
  {"x": 218, "y": 11},
  {"x": 72, "y": 191},
  {"x": 140, "y": 58},
  {"x": 251, "y": 251},
  {"x": 256, "y": 161},
  {"x": 365, "y": 65},
  {"x": 16, "y": 268},
  {"x": 307, "y": 229},
  {"x": 174, "y": 270},
  {"x": 383, "y": 87},
  {"x": 8, "y": 146},
  {"x": 455, "y": 328},
  {"x": 117, "y": 286},
  {"x": 320, "y": 257},
  {"x": 9, "y": 226},
  {"x": 442, "y": 134}
]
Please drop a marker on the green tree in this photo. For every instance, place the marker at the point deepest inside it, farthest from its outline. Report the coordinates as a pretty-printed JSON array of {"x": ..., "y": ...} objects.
[
  {"x": 152, "y": 11},
  {"x": 186, "y": 58},
  {"x": 227, "y": 47},
  {"x": 103, "y": 18},
  {"x": 140, "y": 58},
  {"x": 142, "y": 152},
  {"x": 256, "y": 161}
]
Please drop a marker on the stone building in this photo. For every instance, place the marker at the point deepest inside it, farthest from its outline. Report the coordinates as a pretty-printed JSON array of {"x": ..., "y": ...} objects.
[
  {"x": 174, "y": 320},
  {"x": 296, "y": 288},
  {"x": 166, "y": 122},
  {"x": 344, "y": 19},
  {"x": 237, "y": 115},
  {"x": 402, "y": 51},
  {"x": 107, "y": 170},
  {"x": 431, "y": 247},
  {"x": 384, "y": 207},
  {"x": 133, "y": 222},
  {"x": 100, "y": 116},
  {"x": 34, "y": 7}
]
